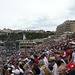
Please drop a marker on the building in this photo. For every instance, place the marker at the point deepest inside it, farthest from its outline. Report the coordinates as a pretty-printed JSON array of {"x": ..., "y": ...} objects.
[
  {"x": 67, "y": 26},
  {"x": 24, "y": 44},
  {"x": 35, "y": 31},
  {"x": 3, "y": 33},
  {"x": 2, "y": 46},
  {"x": 7, "y": 30},
  {"x": 19, "y": 44},
  {"x": 17, "y": 31}
]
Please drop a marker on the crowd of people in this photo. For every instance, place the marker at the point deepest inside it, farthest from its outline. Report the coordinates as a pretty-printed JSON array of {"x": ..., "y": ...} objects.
[{"x": 52, "y": 57}]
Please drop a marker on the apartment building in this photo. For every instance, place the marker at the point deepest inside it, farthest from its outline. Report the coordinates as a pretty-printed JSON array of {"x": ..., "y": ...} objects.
[{"x": 67, "y": 26}]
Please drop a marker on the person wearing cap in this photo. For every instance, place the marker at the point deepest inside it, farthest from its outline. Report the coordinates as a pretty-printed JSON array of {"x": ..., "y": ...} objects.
[{"x": 54, "y": 64}]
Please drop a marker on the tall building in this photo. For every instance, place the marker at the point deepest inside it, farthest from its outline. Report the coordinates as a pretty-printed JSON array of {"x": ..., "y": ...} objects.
[{"x": 67, "y": 26}]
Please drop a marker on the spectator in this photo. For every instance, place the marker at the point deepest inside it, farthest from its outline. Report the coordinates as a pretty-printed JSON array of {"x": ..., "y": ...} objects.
[
  {"x": 62, "y": 70},
  {"x": 73, "y": 56},
  {"x": 54, "y": 64},
  {"x": 43, "y": 67},
  {"x": 35, "y": 59}
]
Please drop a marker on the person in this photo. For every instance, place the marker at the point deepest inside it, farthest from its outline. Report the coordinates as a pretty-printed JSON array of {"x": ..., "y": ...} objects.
[
  {"x": 16, "y": 71},
  {"x": 43, "y": 67},
  {"x": 41, "y": 63},
  {"x": 27, "y": 69},
  {"x": 73, "y": 56},
  {"x": 60, "y": 60},
  {"x": 35, "y": 69},
  {"x": 30, "y": 73},
  {"x": 54, "y": 64},
  {"x": 66, "y": 53},
  {"x": 21, "y": 69},
  {"x": 70, "y": 66},
  {"x": 30, "y": 64},
  {"x": 61, "y": 70},
  {"x": 45, "y": 59},
  {"x": 6, "y": 70},
  {"x": 70, "y": 54},
  {"x": 35, "y": 59}
]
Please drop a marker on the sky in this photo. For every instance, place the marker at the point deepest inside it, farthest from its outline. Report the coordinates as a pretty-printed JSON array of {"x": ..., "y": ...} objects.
[{"x": 35, "y": 14}]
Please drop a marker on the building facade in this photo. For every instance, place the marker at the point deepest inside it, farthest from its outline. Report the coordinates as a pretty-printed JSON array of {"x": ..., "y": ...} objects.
[
  {"x": 24, "y": 44},
  {"x": 17, "y": 31},
  {"x": 19, "y": 44},
  {"x": 67, "y": 26}
]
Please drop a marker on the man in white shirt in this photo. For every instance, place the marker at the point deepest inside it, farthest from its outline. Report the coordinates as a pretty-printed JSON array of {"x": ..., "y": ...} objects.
[
  {"x": 45, "y": 59},
  {"x": 73, "y": 56},
  {"x": 53, "y": 63}
]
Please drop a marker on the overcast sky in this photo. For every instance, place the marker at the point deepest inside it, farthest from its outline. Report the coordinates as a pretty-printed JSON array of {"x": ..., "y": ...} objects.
[{"x": 35, "y": 14}]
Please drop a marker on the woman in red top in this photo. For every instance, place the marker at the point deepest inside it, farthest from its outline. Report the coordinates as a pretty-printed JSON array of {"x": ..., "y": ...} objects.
[{"x": 35, "y": 59}]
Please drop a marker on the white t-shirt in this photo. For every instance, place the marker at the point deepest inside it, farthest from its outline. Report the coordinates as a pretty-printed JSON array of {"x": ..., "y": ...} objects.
[
  {"x": 73, "y": 56},
  {"x": 55, "y": 69},
  {"x": 45, "y": 61}
]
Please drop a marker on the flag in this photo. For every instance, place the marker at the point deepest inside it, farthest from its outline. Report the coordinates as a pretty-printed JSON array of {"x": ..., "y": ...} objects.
[{"x": 24, "y": 37}]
